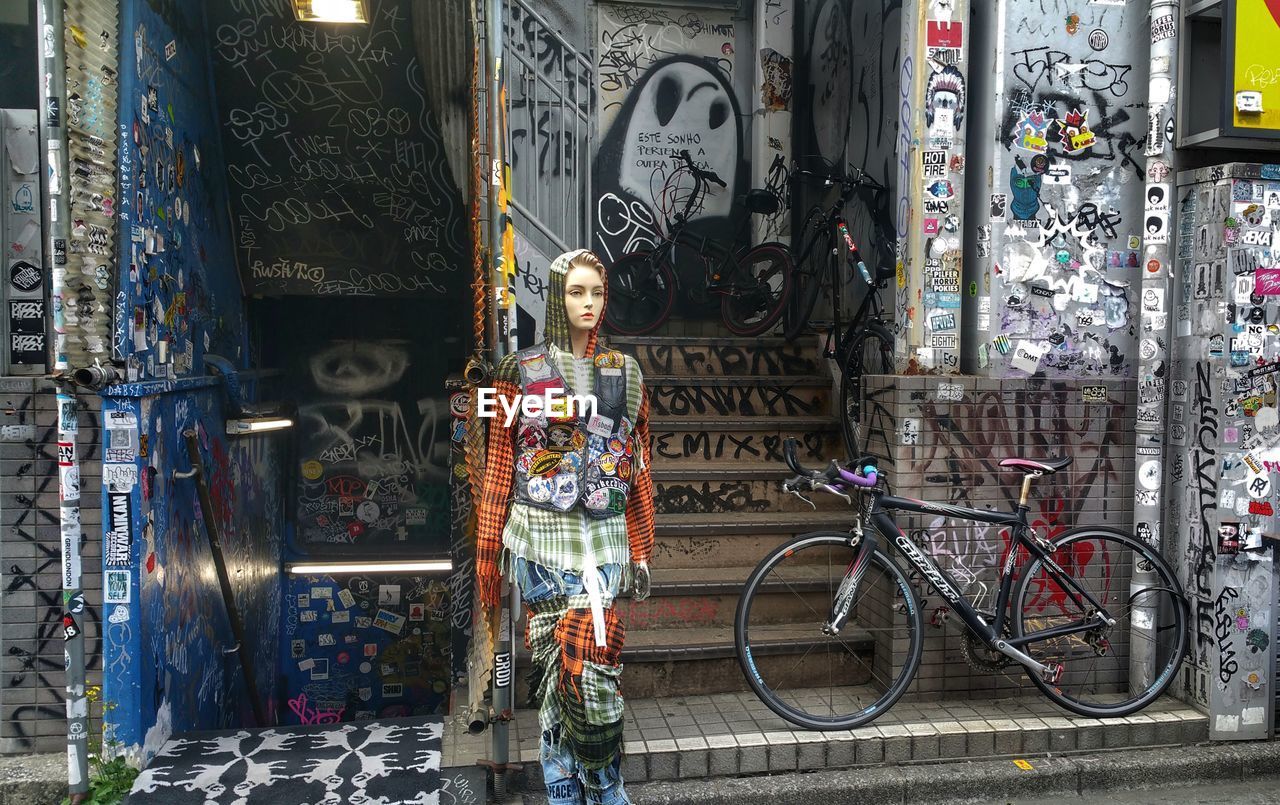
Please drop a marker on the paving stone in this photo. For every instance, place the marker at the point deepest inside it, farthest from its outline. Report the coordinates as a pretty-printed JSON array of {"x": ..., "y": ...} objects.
[
  {"x": 783, "y": 751},
  {"x": 1142, "y": 730},
  {"x": 1194, "y": 732},
  {"x": 635, "y": 767},
  {"x": 1035, "y": 741},
  {"x": 723, "y": 761},
  {"x": 753, "y": 753},
  {"x": 812, "y": 751},
  {"x": 841, "y": 752},
  {"x": 694, "y": 757},
  {"x": 1115, "y": 733},
  {"x": 981, "y": 739},
  {"x": 870, "y": 750}
]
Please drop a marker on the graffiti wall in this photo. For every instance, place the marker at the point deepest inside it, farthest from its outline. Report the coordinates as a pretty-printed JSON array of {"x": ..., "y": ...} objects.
[
  {"x": 944, "y": 438},
  {"x": 178, "y": 297},
  {"x": 1223, "y": 439},
  {"x": 1059, "y": 253},
  {"x": 171, "y": 659},
  {"x": 848, "y": 112},
  {"x": 374, "y": 424},
  {"x": 336, "y": 166},
  {"x": 359, "y": 647},
  {"x": 665, "y": 82},
  {"x": 33, "y": 713}
]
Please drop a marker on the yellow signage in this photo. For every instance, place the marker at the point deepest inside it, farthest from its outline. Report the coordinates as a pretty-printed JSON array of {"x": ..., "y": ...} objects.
[{"x": 1257, "y": 65}]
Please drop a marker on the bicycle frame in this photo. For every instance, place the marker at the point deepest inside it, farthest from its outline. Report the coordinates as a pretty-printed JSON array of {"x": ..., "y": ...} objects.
[{"x": 882, "y": 504}]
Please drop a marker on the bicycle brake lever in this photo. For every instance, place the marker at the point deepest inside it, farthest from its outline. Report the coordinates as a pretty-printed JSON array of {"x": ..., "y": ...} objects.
[
  {"x": 796, "y": 492},
  {"x": 834, "y": 491}
]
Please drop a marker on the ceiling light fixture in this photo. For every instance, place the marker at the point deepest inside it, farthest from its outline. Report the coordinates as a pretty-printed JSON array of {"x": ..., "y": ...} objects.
[
  {"x": 331, "y": 10},
  {"x": 331, "y": 568}
]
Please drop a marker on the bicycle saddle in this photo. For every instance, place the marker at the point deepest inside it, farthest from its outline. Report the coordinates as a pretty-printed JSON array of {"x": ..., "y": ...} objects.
[
  {"x": 1048, "y": 466},
  {"x": 762, "y": 202}
]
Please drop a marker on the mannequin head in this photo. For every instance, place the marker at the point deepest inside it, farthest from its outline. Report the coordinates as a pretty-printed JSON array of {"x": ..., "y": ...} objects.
[{"x": 584, "y": 292}]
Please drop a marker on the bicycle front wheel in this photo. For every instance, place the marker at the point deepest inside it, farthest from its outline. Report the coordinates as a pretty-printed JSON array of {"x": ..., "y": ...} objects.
[
  {"x": 812, "y": 679},
  {"x": 756, "y": 297},
  {"x": 642, "y": 291},
  {"x": 870, "y": 352},
  {"x": 1107, "y": 671}
]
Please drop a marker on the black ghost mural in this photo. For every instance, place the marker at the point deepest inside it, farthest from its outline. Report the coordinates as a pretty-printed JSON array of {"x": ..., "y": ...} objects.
[{"x": 680, "y": 103}]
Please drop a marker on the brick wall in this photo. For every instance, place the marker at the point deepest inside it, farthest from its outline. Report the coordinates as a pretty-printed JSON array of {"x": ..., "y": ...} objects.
[
  {"x": 32, "y": 680},
  {"x": 943, "y": 438}
]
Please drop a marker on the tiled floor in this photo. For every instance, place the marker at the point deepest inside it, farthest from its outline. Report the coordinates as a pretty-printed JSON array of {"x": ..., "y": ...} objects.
[{"x": 734, "y": 733}]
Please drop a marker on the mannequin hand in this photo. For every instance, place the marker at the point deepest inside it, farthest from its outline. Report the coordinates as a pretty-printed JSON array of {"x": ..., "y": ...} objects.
[{"x": 640, "y": 587}]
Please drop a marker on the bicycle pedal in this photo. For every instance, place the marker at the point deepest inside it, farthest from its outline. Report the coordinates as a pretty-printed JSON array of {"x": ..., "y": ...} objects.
[{"x": 1053, "y": 672}]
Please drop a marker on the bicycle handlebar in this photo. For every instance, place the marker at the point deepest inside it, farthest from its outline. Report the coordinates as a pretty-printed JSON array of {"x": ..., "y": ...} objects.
[
  {"x": 865, "y": 477},
  {"x": 861, "y": 179},
  {"x": 709, "y": 176}
]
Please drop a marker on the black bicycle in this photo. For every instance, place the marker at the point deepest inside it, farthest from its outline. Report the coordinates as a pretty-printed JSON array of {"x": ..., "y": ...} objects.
[
  {"x": 863, "y": 346},
  {"x": 753, "y": 284},
  {"x": 829, "y": 631}
]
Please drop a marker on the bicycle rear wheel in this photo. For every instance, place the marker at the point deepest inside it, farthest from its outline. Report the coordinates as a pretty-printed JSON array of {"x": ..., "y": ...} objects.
[
  {"x": 870, "y": 352},
  {"x": 809, "y": 678},
  {"x": 1135, "y": 587},
  {"x": 758, "y": 294},
  {"x": 642, "y": 291}
]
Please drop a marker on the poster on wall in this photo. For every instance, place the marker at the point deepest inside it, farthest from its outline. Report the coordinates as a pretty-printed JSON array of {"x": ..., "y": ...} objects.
[{"x": 1254, "y": 28}]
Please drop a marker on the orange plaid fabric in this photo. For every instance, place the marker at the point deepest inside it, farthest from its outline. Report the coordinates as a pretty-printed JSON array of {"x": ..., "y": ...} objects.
[{"x": 496, "y": 495}]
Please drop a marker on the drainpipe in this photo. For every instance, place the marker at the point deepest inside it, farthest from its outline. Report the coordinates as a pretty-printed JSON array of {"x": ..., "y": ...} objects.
[
  {"x": 57, "y": 219},
  {"x": 1153, "y": 362}
]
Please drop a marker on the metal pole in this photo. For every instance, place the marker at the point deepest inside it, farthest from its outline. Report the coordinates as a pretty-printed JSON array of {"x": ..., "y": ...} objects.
[
  {"x": 500, "y": 333},
  {"x": 1157, "y": 265},
  {"x": 57, "y": 221}
]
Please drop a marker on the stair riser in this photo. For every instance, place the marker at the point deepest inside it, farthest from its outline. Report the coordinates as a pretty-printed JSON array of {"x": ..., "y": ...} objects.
[
  {"x": 694, "y": 677},
  {"x": 702, "y": 360},
  {"x": 716, "y": 551},
  {"x": 673, "y": 445},
  {"x": 730, "y": 497},
  {"x": 680, "y": 611},
  {"x": 767, "y": 398}
]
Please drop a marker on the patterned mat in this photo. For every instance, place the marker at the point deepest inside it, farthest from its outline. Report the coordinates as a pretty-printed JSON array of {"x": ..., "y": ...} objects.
[{"x": 388, "y": 762}]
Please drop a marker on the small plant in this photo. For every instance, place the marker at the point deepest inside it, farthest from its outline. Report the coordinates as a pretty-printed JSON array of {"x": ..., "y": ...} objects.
[{"x": 109, "y": 780}]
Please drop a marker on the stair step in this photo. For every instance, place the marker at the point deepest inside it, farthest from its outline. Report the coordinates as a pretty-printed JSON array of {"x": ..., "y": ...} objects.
[
  {"x": 739, "y": 395},
  {"x": 780, "y": 523},
  {"x": 695, "y": 440},
  {"x": 712, "y": 355},
  {"x": 731, "y": 489}
]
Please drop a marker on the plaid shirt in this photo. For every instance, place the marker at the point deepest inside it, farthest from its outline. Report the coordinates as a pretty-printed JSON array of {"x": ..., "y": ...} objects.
[{"x": 556, "y": 539}]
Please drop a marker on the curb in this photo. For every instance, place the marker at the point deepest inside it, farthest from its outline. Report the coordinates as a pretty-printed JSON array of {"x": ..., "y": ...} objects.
[
  {"x": 976, "y": 781},
  {"x": 33, "y": 779}
]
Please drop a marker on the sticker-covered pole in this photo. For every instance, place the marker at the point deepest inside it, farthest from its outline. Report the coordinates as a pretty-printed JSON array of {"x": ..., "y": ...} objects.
[
  {"x": 57, "y": 212},
  {"x": 1153, "y": 348}
]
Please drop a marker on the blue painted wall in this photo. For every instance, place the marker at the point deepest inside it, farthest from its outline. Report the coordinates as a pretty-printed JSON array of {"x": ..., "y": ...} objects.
[{"x": 167, "y": 666}]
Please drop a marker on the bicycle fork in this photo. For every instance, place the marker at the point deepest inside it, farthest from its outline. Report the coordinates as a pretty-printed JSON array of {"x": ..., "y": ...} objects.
[{"x": 847, "y": 593}]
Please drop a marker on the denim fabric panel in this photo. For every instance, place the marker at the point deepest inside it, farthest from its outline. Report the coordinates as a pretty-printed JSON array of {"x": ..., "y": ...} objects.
[
  {"x": 559, "y": 771},
  {"x": 607, "y": 787},
  {"x": 538, "y": 582}
]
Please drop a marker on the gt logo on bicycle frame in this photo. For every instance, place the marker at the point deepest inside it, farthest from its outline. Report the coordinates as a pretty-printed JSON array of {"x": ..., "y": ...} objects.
[{"x": 926, "y": 567}]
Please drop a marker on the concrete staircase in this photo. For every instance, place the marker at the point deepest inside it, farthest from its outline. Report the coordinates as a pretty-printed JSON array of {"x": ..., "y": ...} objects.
[{"x": 721, "y": 408}]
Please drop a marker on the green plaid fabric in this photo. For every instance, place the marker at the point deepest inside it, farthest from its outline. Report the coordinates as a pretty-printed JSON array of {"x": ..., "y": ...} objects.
[
  {"x": 562, "y": 536},
  {"x": 579, "y": 684}
]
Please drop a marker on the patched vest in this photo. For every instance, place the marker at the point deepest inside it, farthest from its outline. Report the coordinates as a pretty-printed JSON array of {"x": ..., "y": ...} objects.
[{"x": 561, "y": 460}]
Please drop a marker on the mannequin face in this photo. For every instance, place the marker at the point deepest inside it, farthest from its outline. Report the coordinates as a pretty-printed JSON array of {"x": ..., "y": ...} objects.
[{"x": 583, "y": 297}]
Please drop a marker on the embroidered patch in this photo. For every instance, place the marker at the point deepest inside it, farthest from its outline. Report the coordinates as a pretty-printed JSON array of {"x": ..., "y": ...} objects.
[
  {"x": 544, "y": 462},
  {"x": 609, "y": 360}
]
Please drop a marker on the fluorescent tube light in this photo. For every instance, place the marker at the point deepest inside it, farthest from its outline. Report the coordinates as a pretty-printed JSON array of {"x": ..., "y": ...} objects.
[
  {"x": 331, "y": 10},
  {"x": 239, "y": 427},
  {"x": 408, "y": 566}
]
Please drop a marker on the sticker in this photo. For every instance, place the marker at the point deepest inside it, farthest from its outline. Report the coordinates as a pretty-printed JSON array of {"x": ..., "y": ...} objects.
[
  {"x": 1156, "y": 229},
  {"x": 388, "y": 595},
  {"x": 600, "y": 426},
  {"x": 1162, "y": 29},
  {"x": 389, "y": 621},
  {"x": 540, "y": 489},
  {"x": 999, "y": 202},
  {"x": 417, "y": 612},
  {"x": 115, "y": 586},
  {"x": 930, "y": 226},
  {"x": 1149, "y": 474},
  {"x": 1027, "y": 355},
  {"x": 1095, "y": 394},
  {"x": 1098, "y": 39},
  {"x": 1023, "y": 764},
  {"x": 934, "y": 164},
  {"x": 346, "y": 598},
  {"x": 1073, "y": 130},
  {"x": 341, "y": 616}
]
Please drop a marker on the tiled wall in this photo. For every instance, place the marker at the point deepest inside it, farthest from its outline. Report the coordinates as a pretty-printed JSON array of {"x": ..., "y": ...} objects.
[
  {"x": 32, "y": 680},
  {"x": 944, "y": 439}
]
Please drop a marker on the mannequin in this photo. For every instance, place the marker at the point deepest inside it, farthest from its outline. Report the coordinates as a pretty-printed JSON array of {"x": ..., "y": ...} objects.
[{"x": 567, "y": 515}]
